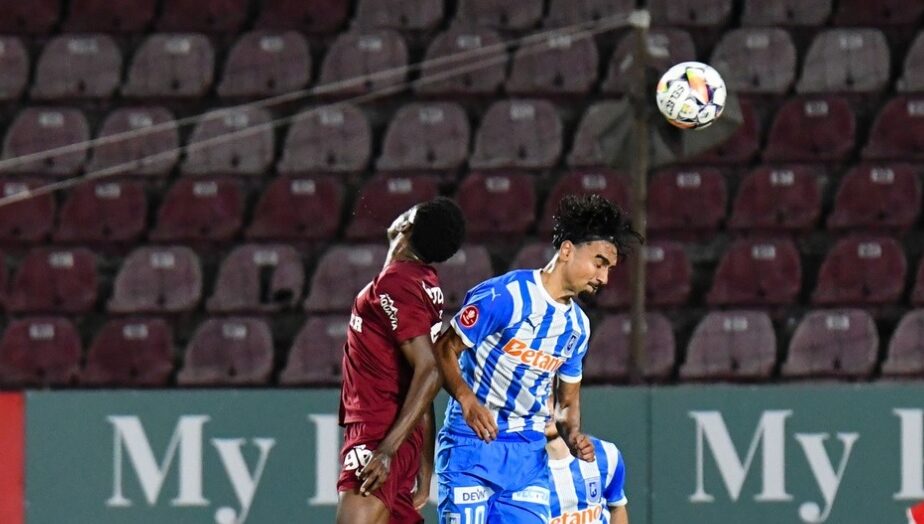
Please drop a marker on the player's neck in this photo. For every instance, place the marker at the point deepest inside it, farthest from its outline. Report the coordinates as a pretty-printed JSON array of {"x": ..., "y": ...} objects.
[
  {"x": 558, "y": 449},
  {"x": 554, "y": 285}
]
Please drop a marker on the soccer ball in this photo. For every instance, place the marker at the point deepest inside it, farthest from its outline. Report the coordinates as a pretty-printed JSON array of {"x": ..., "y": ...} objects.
[{"x": 691, "y": 95}]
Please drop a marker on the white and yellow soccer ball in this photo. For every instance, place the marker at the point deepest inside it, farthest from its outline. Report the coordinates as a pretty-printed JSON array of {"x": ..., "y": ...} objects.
[{"x": 691, "y": 95}]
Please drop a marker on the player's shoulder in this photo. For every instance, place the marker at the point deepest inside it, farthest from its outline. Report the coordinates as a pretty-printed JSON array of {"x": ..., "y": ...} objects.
[
  {"x": 404, "y": 275},
  {"x": 500, "y": 285},
  {"x": 579, "y": 311},
  {"x": 606, "y": 449}
]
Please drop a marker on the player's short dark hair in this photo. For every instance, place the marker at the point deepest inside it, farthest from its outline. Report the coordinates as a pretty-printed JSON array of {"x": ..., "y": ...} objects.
[
  {"x": 585, "y": 218},
  {"x": 439, "y": 229}
]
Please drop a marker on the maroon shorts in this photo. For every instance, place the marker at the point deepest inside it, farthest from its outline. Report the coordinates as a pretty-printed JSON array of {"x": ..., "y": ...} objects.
[{"x": 397, "y": 493}]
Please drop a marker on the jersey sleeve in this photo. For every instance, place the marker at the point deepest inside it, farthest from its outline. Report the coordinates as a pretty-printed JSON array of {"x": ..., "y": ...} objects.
[
  {"x": 404, "y": 306},
  {"x": 573, "y": 368},
  {"x": 487, "y": 309},
  {"x": 614, "y": 473}
]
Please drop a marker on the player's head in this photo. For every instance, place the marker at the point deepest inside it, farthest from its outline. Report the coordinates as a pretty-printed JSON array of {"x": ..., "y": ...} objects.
[
  {"x": 432, "y": 231},
  {"x": 591, "y": 234}
]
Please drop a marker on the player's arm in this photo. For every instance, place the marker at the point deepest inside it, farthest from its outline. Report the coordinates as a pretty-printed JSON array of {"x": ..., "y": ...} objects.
[
  {"x": 425, "y": 384},
  {"x": 568, "y": 419},
  {"x": 428, "y": 421},
  {"x": 619, "y": 515},
  {"x": 448, "y": 348}
]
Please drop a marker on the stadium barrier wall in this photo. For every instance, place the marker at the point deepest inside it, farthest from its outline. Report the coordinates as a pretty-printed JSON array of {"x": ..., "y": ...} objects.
[
  {"x": 702, "y": 455},
  {"x": 11, "y": 458}
]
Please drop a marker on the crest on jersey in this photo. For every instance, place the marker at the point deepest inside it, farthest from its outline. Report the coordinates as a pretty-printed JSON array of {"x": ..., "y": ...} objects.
[
  {"x": 469, "y": 316},
  {"x": 569, "y": 348},
  {"x": 592, "y": 485}
]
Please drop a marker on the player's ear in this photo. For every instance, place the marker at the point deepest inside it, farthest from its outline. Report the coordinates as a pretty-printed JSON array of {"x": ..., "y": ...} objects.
[{"x": 565, "y": 251}]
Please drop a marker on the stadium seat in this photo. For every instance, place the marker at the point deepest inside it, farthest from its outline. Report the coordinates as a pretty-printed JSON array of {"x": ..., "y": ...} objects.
[
  {"x": 449, "y": 66},
  {"x": 666, "y": 47},
  {"x": 692, "y": 200},
  {"x": 314, "y": 17},
  {"x": 340, "y": 274},
  {"x": 846, "y": 61},
  {"x": 106, "y": 16},
  {"x": 200, "y": 211},
  {"x": 880, "y": 197},
  {"x": 497, "y": 206},
  {"x": 426, "y": 137},
  {"x": 500, "y": 14},
  {"x": 34, "y": 17},
  {"x": 470, "y": 265},
  {"x": 667, "y": 283},
  {"x": 586, "y": 150},
  {"x": 150, "y": 150},
  {"x": 563, "y": 64},
  {"x": 757, "y": 273},
  {"x": 14, "y": 68},
  {"x": 884, "y": 13},
  {"x": 690, "y": 13},
  {"x": 39, "y": 352},
  {"x": 518, "y": 134},
  {"x": 732, "y": 346},
  {"x": 258, "y": 279},
  {"x": 812, "y": 130},
  {"x": 157, "y": 280},
  {"x": 228, "y": 351},
  {"x": 833, "y": 344},
  {"x": 786, "y": 13},
  {"x": 898, "y": 131},
  {"x": 208, "y": 16},
  {"x": 328, "y": 139},
  {"x": 759, "y": 61},
  {"x": 171, "y": 66},
  {"x": 54, "y": 280},
  {"x": 917, "y": 294},
  {"x": 362, "y": 62},
  {"x": 533, "y": 255},
  {"x": 231, "y": 142},
  {"x": 608, "y": 357},
  {"x": 4, "y": 278},
  {"x": 912, "y": 79},
  {"x": 405, "y": 15},
  {"x": 611, "y": 185},
  {"x": 382, "y": 199},
  {"x": 862, "y": 271},
  {"x": 298, "y": 209},
  {"x": 28, "y": 221},
  {"x": 571, "y": 12},
  {"x": 741, "y": 147},
  {"x": 316, "y": 356},
  {"x": 265, "y": 63},
  {"x": 103, "y": 213},
  {"x": 130, "y": 352},
  {"x": 777, "y": 200},
  {"x": 39, "y": 130},
  {"x": 906, "y": 349}
]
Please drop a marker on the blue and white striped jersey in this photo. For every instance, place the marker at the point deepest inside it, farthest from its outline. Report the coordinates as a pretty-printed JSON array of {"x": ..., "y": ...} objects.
[
  {"x": 584, "y": 491},
  {"x": 520, "y": 338}
]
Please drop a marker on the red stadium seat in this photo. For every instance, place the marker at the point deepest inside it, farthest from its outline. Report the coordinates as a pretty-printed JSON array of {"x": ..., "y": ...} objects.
[
  {"x": 171, "y": 66},
  {"x": 264, "y": 63},
  {"x": 786, "y": 12},
  {"x": 846, "y": 61},
  {"x": 362, "y": 62},
  {"x": 695, "y": 13},
  {"x": 608, "y": 357},
  {"x": 426, "y": 137},
  {"x": 103, "y": 213},
  {"x": 258, "y": 279},
  {"x": 157, "y": 280},
  {"x": 666, "y": 47},
  {"x": 731, "y": 345},
  {"x": 210, "y": 16},
  {"x": 316, "y": 356},
  {"x": 757, "y": 273},
  {"x": 897, "y": 131},
  {"x": 449, "y": 67},
  {"x": 39, "y": 352},
  {"x": 40, "y": 130},
  {"x": 28, "y": 221},
  {"x": 52, "y": 280},
  {"x": 862, "y": 271},
  {"x": 906, "y": 349},
  {"x": 518, "y": 134},
  {"x": 812, "y": 130},
  {"x": 341, "y": 273},
  {"x": 231, "y": 142},
  {"x": 294, "y": 209},
  {"x": 14, "y": 68},
  {"x": 328, "y": 139},
  {"x": 383, "y": 198},
  {"x": 760, "y": 61},
  {"x": 667, "y": 284},
  {"x": 777, "y": 200},
  {"x": 833, "y": 344},
  {"x": 692, "y": 200},
  {"x": 4, "y": 278},
  {"x": 741, "y": 147},
  {"x": 314, "y": 17},
  {"x": 571, "y": 12},
  {"x": 533, "y": 255},
  {"x": 884, "y": 13},
  {"x": 33, "y": 17},
  {"x": 85, "y": 66},
  {"x": 200, "y": 211},
  {"x": 563, "y": 65},
  {"x": 586, "y": 150},
  {"x": 499, "y": 14},
  {"x": 228, "y": 351},
  {"x": 130, "y": 352},
  {"x": 152, "y": 149},
  {"x": 406, "y": 15},
  {"x": 610, "y": 184},
  {"x": 912, "y": 79},
  {"x": 479, "y": 195},
  {"x": 121, "y": 16},
  {"x": 882, "y": 197},
  {"x": 470, "y": 265}
]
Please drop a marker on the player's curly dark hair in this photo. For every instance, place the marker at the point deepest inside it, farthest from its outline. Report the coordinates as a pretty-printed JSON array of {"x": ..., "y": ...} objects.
[
  {"x": 439, "y": 229},
  {"x": 591, "y": 217}
]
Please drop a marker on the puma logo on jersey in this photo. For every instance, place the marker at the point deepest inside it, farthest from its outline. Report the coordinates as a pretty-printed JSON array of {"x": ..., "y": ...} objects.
[
  {"x": 357, "y": 458},
  {"x": 534, "y": 359}
]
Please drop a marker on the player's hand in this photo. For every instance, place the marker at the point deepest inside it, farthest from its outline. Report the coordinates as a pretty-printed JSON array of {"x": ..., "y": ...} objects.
[
  {"x": 422, "y": 494},
  {"x": 375, "y": 472},
  {"x": 480, "y": 419},
  {"x": 581, "y": 447}
]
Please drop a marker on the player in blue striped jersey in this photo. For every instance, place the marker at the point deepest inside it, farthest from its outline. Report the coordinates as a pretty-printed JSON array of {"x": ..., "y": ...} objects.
[{"x": 515, "y": 334}]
